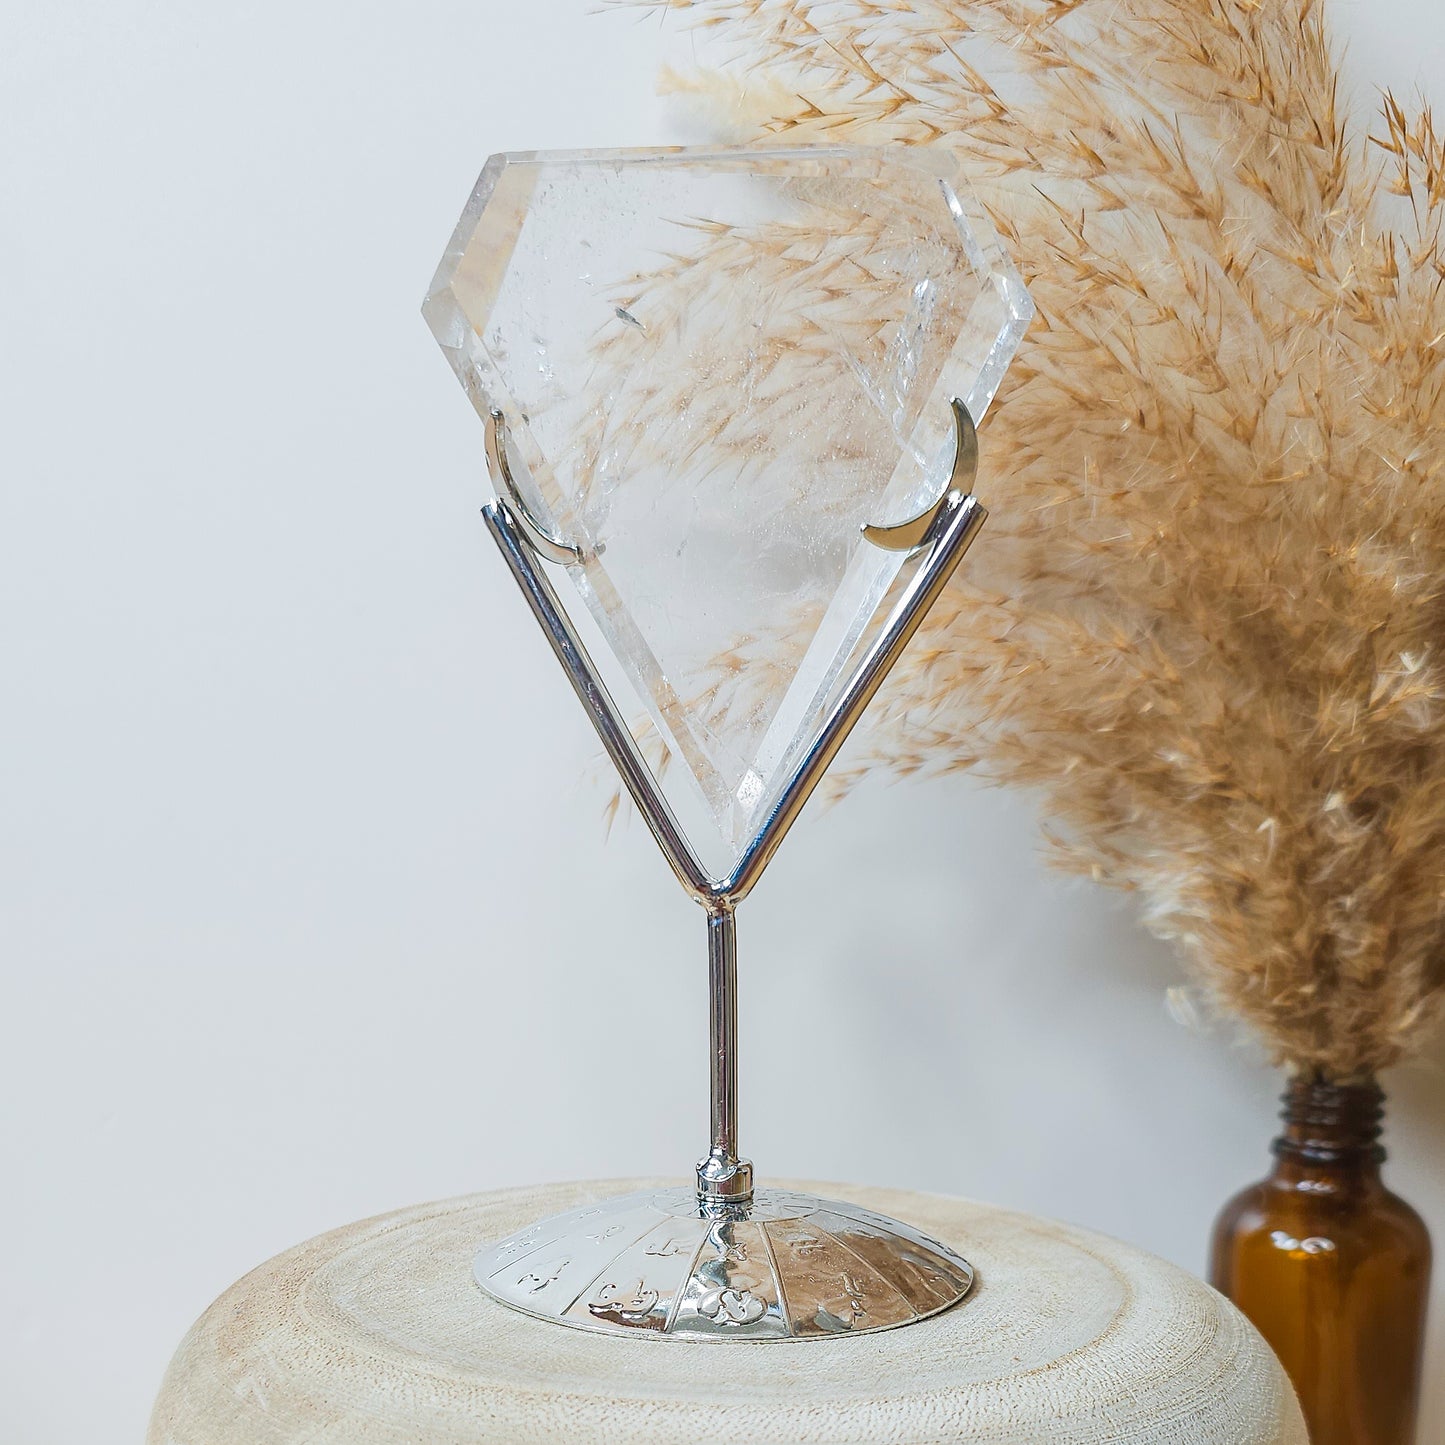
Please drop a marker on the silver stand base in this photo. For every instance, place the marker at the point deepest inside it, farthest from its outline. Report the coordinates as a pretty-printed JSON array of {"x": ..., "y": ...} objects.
[{"x": 781, "y": 1266}]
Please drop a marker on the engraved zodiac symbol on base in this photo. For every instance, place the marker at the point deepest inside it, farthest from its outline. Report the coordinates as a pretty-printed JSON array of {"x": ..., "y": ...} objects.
[
  {"x": 847, "y": 1313},
  {"x": 856, "y": 1296},
  {"x": 521, "y": 1242},
  {"x": 731, "y": 1307},
  {"x": 537, "y": 1281},
  {"x": 632, "y": 1305}
]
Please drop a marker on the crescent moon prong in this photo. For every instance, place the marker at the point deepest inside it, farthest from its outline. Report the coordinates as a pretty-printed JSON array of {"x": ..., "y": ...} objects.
[
  {"x": 910, "y": 535},
  {"x": 542, "y": 542}
]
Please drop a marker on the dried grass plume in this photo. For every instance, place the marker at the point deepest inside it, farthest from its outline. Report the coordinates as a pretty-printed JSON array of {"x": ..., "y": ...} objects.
[{"x": 1207, "y": 621}]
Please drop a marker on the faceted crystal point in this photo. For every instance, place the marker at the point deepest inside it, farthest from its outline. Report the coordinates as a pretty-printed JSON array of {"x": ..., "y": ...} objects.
[{"x": 715, "y": 367}]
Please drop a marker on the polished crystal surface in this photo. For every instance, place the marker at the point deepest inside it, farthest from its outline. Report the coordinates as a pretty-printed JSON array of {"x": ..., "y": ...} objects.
[{"x": 716, "y": 366}]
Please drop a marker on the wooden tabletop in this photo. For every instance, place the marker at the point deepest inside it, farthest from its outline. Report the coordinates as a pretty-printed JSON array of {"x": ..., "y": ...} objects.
[{"x": 375, "y": 1334}]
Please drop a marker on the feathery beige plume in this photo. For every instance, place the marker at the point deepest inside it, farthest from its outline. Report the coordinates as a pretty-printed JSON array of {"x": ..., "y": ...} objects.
[{"x": 1207, "y": 621}]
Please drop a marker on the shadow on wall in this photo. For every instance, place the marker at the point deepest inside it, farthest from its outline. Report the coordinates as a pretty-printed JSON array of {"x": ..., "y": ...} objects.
[{"x": 1415, "y": 1138}]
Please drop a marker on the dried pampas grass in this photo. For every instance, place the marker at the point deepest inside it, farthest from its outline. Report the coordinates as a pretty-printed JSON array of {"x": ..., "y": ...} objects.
[{"x": 1207, "y": 622}]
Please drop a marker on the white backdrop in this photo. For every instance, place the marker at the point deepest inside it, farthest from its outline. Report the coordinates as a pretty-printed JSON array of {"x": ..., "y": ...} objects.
[{"x": 305, "y": 906}]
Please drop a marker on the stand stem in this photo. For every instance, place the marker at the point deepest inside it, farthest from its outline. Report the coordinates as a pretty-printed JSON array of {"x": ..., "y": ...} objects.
[
  {"x": 722, "y": 958},
  {"x": 723, "y": 1177}
]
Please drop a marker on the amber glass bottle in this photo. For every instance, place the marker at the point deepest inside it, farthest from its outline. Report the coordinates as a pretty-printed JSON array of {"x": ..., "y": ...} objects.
[{"x": 1332, "y": 1268}]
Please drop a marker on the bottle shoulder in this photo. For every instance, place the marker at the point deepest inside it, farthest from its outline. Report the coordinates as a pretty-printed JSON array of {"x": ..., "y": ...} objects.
[{"x": 1312, "y": 1213}]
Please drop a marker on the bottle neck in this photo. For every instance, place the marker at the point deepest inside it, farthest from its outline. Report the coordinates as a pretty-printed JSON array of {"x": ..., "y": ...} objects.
[{"x": 1330, "y": 1130}]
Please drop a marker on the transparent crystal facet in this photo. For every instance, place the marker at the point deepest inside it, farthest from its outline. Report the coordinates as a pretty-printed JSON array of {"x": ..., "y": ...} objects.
[{"x": 715, "y": 367}]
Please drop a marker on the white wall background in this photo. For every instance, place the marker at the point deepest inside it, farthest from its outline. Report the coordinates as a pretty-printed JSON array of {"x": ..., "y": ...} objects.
[{"x": 305, "y": 909}]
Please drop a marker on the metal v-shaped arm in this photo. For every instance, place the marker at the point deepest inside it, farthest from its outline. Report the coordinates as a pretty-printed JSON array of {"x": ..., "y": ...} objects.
[{"x": 946, "y": 529}]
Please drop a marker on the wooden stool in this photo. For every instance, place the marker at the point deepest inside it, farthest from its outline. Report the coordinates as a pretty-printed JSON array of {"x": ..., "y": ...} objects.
[{"x": 375, "y": 1334}]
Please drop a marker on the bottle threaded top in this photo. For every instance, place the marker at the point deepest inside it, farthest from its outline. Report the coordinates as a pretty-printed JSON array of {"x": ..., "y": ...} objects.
[{"x": 1331, "y": 1123}]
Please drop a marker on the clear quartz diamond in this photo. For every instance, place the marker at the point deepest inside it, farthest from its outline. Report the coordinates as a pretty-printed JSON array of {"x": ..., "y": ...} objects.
[{"x": 715, "y": 367}]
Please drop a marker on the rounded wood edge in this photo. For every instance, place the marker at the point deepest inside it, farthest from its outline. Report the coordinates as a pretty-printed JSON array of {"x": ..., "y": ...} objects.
[{"x": 368, "y": 1333}]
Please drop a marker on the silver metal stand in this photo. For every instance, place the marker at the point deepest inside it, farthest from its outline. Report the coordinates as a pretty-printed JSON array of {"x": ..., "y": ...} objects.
[{"x": 721, "y": 1261}]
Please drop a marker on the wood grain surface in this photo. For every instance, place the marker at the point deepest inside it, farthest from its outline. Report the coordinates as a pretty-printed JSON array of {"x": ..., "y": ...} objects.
[{"x": 375, "y": 1334}]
